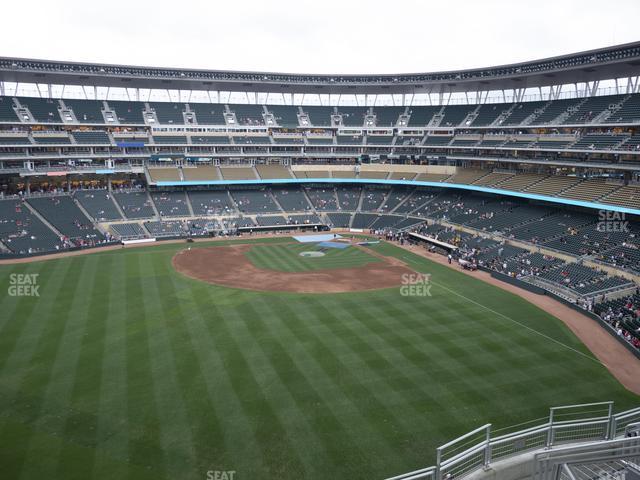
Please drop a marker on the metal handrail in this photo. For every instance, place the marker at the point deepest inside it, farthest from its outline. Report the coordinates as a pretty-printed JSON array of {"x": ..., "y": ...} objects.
[{"x": 608, "y": 422}]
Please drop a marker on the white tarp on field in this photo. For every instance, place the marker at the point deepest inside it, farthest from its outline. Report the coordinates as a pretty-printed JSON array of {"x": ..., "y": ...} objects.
[{"x": 316, "y": 238}]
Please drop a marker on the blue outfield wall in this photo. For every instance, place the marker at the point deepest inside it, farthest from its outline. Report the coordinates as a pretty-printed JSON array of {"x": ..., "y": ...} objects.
[{"x": 473, "y": 188}]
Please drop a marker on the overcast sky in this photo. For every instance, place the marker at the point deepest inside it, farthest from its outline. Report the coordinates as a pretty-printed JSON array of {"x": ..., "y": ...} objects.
[{"x": 320, "y": 36}]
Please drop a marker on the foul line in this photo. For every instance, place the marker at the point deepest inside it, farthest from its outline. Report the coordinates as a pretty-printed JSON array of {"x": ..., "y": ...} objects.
[{"x": 521, "y": 324}]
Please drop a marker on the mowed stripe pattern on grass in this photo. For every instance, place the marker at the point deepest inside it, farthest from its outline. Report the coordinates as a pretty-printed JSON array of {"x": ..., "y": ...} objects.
[
  {"x": 286, "y": 257},
  {"x": 123, "y": 369}
]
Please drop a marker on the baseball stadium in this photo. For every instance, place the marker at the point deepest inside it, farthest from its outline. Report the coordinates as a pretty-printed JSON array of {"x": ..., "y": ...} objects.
[{"x": 255, "y": 275}]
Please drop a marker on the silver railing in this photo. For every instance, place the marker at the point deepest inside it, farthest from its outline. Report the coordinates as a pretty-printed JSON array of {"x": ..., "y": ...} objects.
[{"x": 589, "y": 422}]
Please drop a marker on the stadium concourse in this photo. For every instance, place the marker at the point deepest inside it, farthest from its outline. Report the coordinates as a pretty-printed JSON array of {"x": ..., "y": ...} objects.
[{"x": 533, "y": 190}]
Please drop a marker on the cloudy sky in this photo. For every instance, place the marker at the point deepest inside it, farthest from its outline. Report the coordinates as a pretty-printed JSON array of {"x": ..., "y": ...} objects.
[{"x": 321, "y": 36}]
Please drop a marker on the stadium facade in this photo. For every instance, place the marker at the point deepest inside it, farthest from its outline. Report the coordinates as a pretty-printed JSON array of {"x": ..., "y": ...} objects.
[{"x": 533, "y": 169}]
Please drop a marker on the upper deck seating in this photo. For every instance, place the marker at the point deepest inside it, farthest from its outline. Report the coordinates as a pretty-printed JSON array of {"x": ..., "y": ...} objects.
[
  {"x": 319, "y": 116},
  {"x": 248, "y": 114},
  {"x": 353, "y": 116},
  {"x": 285, "y": 115},
  {"x": 521, "y": 112},
  {"x": 387, "y": 116},
  {"x": 208, "y": 113},
  {"x": 454, "y": 115},
  {"x": 168, "y": 113},
  {"x": 44, "y": 110},
  {"x": 629, "y": 112},
  {"x": 127, "y": 112},
  {"x": 86, "y": 111},
  {"x": 7, "y": 113},
  {"x": 591, "y": 108},
  {"x": 489, "y": 113},
  {"x": 554, "y": 110},
  {"x": 422, "y": 115}
]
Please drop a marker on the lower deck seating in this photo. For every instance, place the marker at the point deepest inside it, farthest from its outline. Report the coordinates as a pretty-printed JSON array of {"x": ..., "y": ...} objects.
[
  {"x": 348, "y": 197},
  {"x": 550, "y": 227},
  {"x": 339, "y": 220},
  {"x": 254, "y": 201},
  {"x": 363, "y": 220},
  {"x": 271, "y": 220},
  {"x": 237, "y": 222},
  {"x": 394, "y": 198},
  {"x": 171, "y": 204},
  {"x": 135, "y": 204},
  {"x": 323, "y": 198},
  {"x": 373, "y": 199},
  {"x": 211, "y": 202},
  {"x": 623, "y": 315},
  {"x": 407, "y": 223},
  {"x": 417, "y": 199},
  {"x": 622, "y": 257},
  {"x": 304, "y": 220},
  {"x": 167, "y": 228},
  {"x": 63, "y": 213},
  {"x": 128, "y": 231},
  {"x": 291, "y": 199},
  {"x": 23, "y": 233},
  {"x": 99, "y": 204}
]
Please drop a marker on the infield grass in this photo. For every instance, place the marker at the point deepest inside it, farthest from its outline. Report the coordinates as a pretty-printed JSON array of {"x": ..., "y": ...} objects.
[
  {"x": 122, "y": 368},
  {"x": 286, "y": 257}
]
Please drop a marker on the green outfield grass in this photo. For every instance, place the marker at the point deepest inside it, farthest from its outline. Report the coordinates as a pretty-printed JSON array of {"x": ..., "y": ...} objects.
[
  {"x": 286, "y": 257},
  {"x": 122, "y": 368}
]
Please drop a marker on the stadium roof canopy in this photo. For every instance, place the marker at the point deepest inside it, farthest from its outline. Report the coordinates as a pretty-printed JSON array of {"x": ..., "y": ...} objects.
[{"x": 621, "y": 61}]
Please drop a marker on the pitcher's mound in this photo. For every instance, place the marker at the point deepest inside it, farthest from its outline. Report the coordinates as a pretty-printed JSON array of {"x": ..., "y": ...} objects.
[
  {"x": 227, "y": 266},
  {"x": 312, "y": 254}
]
